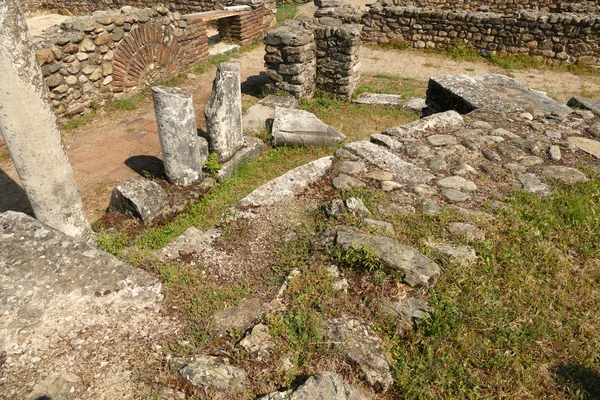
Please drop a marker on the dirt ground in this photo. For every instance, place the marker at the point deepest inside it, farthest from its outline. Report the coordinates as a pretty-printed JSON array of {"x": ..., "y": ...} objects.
[{"x": 119, "y": 145}]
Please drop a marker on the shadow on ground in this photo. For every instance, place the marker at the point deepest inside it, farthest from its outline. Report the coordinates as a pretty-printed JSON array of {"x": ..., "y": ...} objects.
[
  {"x": 12, "y": 196},
  {"x": 578, "y": 382},
  {"x": 147, "y": 166},
  {"x": 253, "y": 86}
]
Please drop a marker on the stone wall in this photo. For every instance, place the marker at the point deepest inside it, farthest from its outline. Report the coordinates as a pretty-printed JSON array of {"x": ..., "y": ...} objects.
[
  {"x": 337, "y": 58},
  {"x": 504, "y": 6},
  {"x": 72, "y": 7},
  {"x": 90, "y": 60},
  {"x": 558, "y": 37},
  {"x": 302, "y": 56}
]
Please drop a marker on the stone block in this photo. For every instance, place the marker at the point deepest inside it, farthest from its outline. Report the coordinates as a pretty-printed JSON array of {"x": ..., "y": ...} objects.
[{"x": 141, "y": 198}]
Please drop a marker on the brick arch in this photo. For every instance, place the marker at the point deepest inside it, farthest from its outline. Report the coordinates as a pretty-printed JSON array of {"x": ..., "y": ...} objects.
[{"x": 149, "y": 53}]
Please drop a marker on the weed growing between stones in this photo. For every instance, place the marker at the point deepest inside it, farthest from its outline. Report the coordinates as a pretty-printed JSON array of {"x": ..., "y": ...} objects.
[{"x": 212, "y": 165}]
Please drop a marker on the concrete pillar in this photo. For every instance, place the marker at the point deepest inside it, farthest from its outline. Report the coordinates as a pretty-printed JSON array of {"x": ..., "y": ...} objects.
[
  {"x": 30, "y": 130},
  {"x": 224, "y": 112},
  {"x": 176, "y": 119}
]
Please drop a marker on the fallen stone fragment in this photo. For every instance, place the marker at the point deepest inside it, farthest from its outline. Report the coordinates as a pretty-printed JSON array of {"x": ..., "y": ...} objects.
[
  {"x": 511, "y": 152},
  {"x": 321, "y": 386},
  {"x": 554, "y": 153},
  {"x": 253, "y": 147},
  {"x": 256, "y": 118},
  {"x": 334, "y": 208},
  {"x": 141, "y": 198},
  {"x": 403, "y": 171},
  {"x": 58, "y": 385},
  {"x": 415, "y": 269},
  {"x": 299, "y": 127},
  {"x": 240, "y": 317},
  {"x": 533, "y": 184},
  {"x": 389, "y": 209},
  {"x": 288, "y": 185},
  {"x": 430, "y": 207},
  {"x": 357, "y": 207},
  {"x": 279, "y": 101},
  {"x": 588, "y": 145},
  {"x": 340, "y": 283},
  {"x": 346, "y": 182},
  {"x": 594, "y": 130},
  {"x": 491, "y": 156},
  {"x": 437, "y": 164},
  {"x": 483, "y": 125},
  {"x": 362, "y": 348},
  {"x": 409, "y": 312},
  {"x": 379, "y": 175},
  {"x": 461, "y": 255},
  {"x": 352, "y": 167},
  {"x": 224, "y": 112},
  {"x": 566, "y": 175},
  {"x": 455, "y": 195},
  {"x": 585, "y": 103},
  {"x": 444, "y": 120},
  {"x": 391, "y": 100},
  {"x": 376, "y": 225},
  {"x": 54, "y": 280},
  {"x": 415, "y": 104},
  {"x": 441, "y": 140},
  {"x": 388, "y": 186},
  {"x": 192, "y": 240},
  {"x": 213, "y": 372},
  {"x": 386, "y": 141},
  {"x": 466, "y": 231},
  {"x": 457, "y": 183},
  {"x": 258, "y": 343}
]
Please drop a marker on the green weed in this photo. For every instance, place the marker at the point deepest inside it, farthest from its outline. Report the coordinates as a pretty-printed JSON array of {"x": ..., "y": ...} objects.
[{"x": 212, "y": 165}]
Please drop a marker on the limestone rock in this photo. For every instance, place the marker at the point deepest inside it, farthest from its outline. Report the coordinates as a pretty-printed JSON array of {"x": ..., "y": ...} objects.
[
  {"x": 258, "y": 342},
  {"x": 58, "y": 385},
  {"x": 415, "y": 104},
  {"x": 45, "y": 272},
  {"x": 256, "y": 118},
  {"x": 299, "y": 127},
  {"x": 192, "y": 240},
  {"x": 239, "y": 317},
  {"x": 253, "y": 147},
  {"x": 357, "y": 207},
  {"x": 288, "y": 185},
  {"x": 391, "y": 100},
  {"x": 346, "y": 182},
  {"x": 340, "y": 283},
  {"x": 588, "y": 145},
  {"x": 466, "y": 231},
  {"x": 334, "y": 208},
  {"x": 403, "y": 171},
  {"x": 139, "y": 197},
  {"x": 409, "y": 312},
  {"x": 323, "y": 386},
  {"x": 441, "y": 140},
  {"x": 430, "y": 207},
  {"x": 389, "y": 209},
  {"x": 224, "y": 112},
  {"x": 585, "y": 103},
  {"x": 416, "y": 269},
  {"x": 279, "y": 101},
  {"x": 455, "y": 195},
  {"x": 461, "y": 255},
  {"x": 457, "y": 183},
  {"x": 444, "y": 120},
  {"x": 376, "y": 225},
  {"x": 567, "y": 175},
  {"x": 594, "y": 130},
  {"x": 213, "y": 372},
  {"x": 533, "y": 184},
  {"x": 352, "y": 167}
]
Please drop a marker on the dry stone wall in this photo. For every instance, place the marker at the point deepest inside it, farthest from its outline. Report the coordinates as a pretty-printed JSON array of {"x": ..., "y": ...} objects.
[
  {"x": 504, "y": 6},
  {"x": 89, "y": 60},
  {"x": 71, "y": 7},
  {"x": 302, "y": 56},
  {"x": 558, "y": 37}
]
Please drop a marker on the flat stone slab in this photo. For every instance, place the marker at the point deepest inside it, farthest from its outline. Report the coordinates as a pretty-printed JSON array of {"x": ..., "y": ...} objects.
[
  {"x": 49, "y": 282},
  {"x": 192, "y": 240},
  {"x": 279, "y": 101},
  {"x": 391, "y": 100},
  {"x": 298, "y": 127},
  {"x": 323, "y": 385},
  {"x": 288, "y": 185},
  {"x": 403, "y": 171},
  {"x": 444, "y": 120},
  {"x": 139, "y": 197},
  {"x": 566, "y": 175},
  {"x": 494, "y": 92},
  {"x": 461, "y": 255},
  {"x": 256, "y": 117},
  {"x": 416, "y": 269},
  {"x": 213, "y": 372},
  {"x": 590, "y": 146},
  {"x": 585, "y": 103},
  {"x": 253, "y": 147}
]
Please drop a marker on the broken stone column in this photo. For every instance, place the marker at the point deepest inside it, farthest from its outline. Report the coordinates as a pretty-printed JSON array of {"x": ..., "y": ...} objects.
[
  {"x": 176, "y": 119},
  {"x": 31, "y": 132},
  {"x": 224, "y": 112}
]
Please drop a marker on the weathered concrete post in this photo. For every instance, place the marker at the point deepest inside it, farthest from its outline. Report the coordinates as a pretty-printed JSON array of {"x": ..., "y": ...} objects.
[
  {"x": 30, "y": 130},
  {"x": 224, "y": 112},
  {"x": 176, "y": 119}
]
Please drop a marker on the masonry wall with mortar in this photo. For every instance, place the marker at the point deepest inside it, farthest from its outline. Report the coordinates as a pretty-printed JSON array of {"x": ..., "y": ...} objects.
[
  {"x": 558, "y": 37},
  {"x": 504, "y": 6},
  {"x": 90, "y": 60},
  {"x": 71, "y": 7}
]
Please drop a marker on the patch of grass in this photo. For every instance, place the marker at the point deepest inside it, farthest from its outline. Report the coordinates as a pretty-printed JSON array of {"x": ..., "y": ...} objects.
[
  {"x": 4, "y": 154},
  {"x": 113, "y": 242},
  {"x": 236, "y": 53},
  {"x": 513, "y": 323},
  {"x": 363, "y": 259},
  {"x": 212, "y": 165},
  {"x": 391, "y": 84},
  {"x": 287, "y": 11},
  {"x": 79, "y": 121},
  {"x": 462, "y": 52},
  {"x": 126, "y": 103}
]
